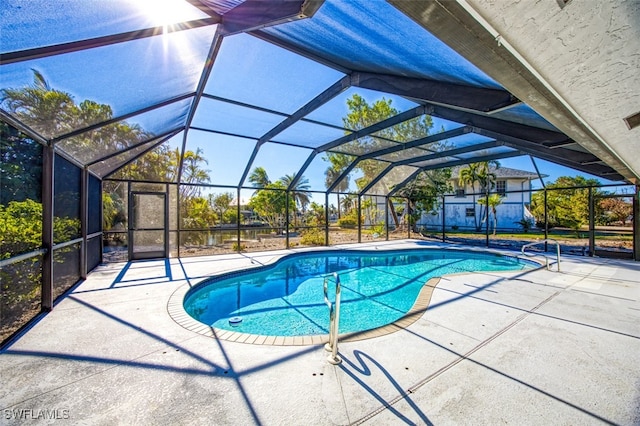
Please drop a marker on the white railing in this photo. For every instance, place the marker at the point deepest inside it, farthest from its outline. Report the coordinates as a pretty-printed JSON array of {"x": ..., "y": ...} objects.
[
  {"x": 545, "y": 256},
  {"x": 334, "y": 320}
]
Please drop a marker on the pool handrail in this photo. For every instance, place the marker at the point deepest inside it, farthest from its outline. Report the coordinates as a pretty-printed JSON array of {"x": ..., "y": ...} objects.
[
  {"x": 334, "y": 320},
  {"x": 546, "y": 258}
]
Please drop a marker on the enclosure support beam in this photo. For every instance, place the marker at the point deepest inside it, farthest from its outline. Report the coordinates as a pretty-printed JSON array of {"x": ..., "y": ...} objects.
[
  {"x": 359, "y": 220},
  {"x": 84, "y": 215},
  {"x": 444, "y": 236},
  {"x": 286, "y": 220},
  {"x": 592, "y": 224},
  {"x": 636, "y": 224},
  {"x": 47, "y": 227},
  {"x": 486, "y": 217},
  {"x": 546, "y": 220},
  {"x": 386, "y": 218},
  {"x": 326, "y": 218},
  {"x": 239, "y": 217},
  {"x": 407, "y": 216}
]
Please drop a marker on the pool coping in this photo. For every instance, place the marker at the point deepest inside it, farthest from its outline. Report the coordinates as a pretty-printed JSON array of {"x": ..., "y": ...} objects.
[{"x": 176, "y": 310}]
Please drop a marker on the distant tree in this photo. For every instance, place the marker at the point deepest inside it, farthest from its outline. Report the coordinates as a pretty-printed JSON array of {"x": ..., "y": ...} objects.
[
  {"x": 425, "y": 193},
  {"x": 270, "y": 203},
  {"x": 193, "y": 173},
  {"x": 362, "y": 114},
  {"x": 567, "y": 202},
  {"x": 616, "y": 209},
  {"x": 349, "y": 203},
  {"x": 494, "y": 201},
  {"x": 196, "y": 213},
  {"x": 220, "y": 204},
  {"x": 316, "y": 215}
]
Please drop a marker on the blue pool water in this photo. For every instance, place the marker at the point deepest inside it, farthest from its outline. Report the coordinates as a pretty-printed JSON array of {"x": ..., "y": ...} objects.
[{"x": 287, "y": 298}]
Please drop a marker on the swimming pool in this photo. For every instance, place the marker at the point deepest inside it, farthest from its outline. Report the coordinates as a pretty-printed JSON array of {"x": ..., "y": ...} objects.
[{"x": 287, "y": 299}]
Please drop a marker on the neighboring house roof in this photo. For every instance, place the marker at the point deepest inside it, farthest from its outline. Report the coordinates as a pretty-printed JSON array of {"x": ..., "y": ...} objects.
[{"x": 502, "y": 173}]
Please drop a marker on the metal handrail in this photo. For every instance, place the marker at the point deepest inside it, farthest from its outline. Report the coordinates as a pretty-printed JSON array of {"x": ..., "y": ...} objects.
[
  {"x": 548, "y": 240},
  {"x": 334, "y": 320},
  {"x": 21, "y": 257}
]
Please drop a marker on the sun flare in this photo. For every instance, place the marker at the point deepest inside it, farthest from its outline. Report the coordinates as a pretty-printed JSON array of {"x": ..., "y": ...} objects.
[{"x": 164, "y": 13}]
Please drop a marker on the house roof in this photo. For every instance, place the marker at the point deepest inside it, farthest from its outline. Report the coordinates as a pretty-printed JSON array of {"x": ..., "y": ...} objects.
[{"x": 502, "y": 173}]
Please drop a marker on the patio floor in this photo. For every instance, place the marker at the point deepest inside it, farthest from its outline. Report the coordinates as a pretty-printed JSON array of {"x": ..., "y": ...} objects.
[{"x": 524, "y": 348}]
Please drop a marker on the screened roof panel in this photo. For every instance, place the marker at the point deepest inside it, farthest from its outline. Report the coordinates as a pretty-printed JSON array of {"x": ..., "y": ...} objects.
[
  {"x": 125, "y": 77},
  {"x": 322, "y": 174},
  {"x": 106, "y": 166},
  {"x": 270, "y": 157},
  {"x": 380, "y": 39},
  {"x": 364, "y": 145},
  {"x": 159, "y": 164},
  {"x": 332, "y": 171},
  {"x": 37, "y": 23},
  {"x": 308, "y": 134},
  {"x": 485, "y": 152},
  {"x": 523, "y": 114},
  {"x": 468, "y": 139},
  {"x": 223, "y": 169},
  {"x": 370, "y": 170},
  {"x": 409, "y": 130},
  {"x": 391, "y": 179},
  {"x": 238, "y": 120},
  {"x": 435, "y": 161},
  {"x": 406, "y": 154},
  {"x": 334, "y": 110},
  {"x": 252, "y": 71},
  {"x": 499, "y": 152},
  {"x": 106, "y": 140},
  {"x": 221, "y": 6}
]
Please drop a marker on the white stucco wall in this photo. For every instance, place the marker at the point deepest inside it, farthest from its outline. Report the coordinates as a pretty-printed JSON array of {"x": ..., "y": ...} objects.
[{"x": 588, "y": 52}]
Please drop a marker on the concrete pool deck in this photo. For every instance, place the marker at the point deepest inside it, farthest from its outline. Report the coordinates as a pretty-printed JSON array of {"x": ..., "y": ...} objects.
[{"x": 523, "y": 348}]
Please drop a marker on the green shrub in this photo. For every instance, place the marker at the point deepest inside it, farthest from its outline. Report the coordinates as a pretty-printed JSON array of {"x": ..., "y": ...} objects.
[
  {"x": 348, "y": 222},
  {"x": 378, "y": 229},
  {"x": 312, "y": 237},
  {"x": 526, "y": 224}
]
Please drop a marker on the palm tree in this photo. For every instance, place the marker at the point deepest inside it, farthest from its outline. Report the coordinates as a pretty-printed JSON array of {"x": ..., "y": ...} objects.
[
  {"x": 348, "y": 202},
  {"x": 259, "y": 178},
  {"x": 469, "y": 176},
  {"x": 494, "y": 201},
  {"x": 339, "y": 162},
  {"x": 300, "y": 192},
  {"x": 479, "y": 172},
  {"x": 487, "y": 179},
  {"x": 192, "y": 172}
]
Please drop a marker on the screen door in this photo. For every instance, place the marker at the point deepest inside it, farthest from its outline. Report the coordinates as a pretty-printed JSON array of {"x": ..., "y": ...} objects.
[{"x": 148, "y": 233}]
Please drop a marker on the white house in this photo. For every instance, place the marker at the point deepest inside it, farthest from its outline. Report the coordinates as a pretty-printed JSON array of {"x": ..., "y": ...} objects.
[{"x": 461, "y": 211}]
